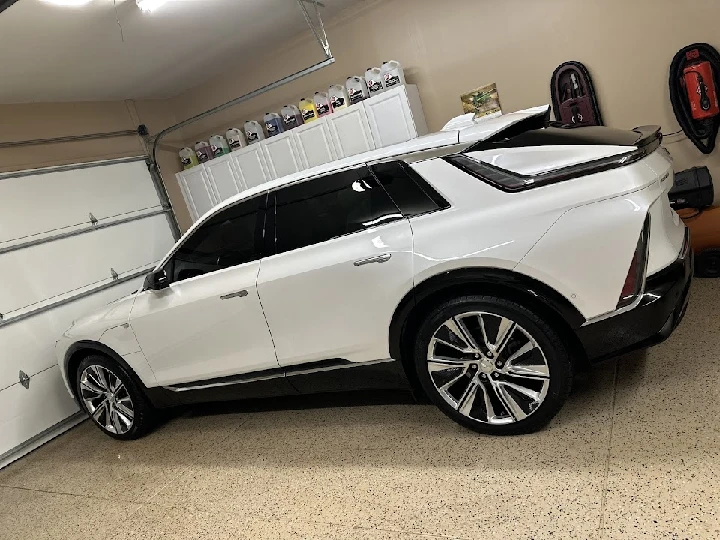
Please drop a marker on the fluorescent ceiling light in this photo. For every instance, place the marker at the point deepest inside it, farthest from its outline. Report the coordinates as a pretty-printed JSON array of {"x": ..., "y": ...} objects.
[
  {"x": 68, "y": 3},
  {"x": 149, "y": 5}
]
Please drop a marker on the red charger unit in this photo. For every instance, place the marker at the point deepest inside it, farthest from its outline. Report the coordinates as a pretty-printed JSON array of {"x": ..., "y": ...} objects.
[
  {"x": 701, "y": 91},
  {"x": 694, "y": 89}
]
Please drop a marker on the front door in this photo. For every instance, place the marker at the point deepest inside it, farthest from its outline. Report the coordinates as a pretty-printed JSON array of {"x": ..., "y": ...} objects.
[
  {"x": 209, "y": 323},
  {"x": 343, "y": 262}
]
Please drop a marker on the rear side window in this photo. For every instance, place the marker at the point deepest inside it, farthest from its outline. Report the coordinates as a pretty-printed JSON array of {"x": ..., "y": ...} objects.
[
  {"x": 408, "y": 190},
  {"x": 328, "y": 207},
  {"x": 229, "y": 238}
]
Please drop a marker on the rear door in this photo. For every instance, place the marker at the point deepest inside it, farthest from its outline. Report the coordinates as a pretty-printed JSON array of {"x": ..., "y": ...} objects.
[{"x": 342, "y": 263}]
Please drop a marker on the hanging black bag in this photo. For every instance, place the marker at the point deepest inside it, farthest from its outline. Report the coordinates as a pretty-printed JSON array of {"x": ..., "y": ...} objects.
[{"x": 573, "y": 96}]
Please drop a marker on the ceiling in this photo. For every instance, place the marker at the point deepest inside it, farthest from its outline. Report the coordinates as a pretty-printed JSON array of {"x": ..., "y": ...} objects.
[{"x": 51, "y": 53}]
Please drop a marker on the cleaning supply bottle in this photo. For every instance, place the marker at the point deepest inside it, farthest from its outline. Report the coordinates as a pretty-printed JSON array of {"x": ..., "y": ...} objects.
[
  {"x": 338, "y": 97},
  {"x": 308, "y": 110},
  {"x": 374, "y": 80},
  {"x": 219, "y": 146},
  {"x": 203, "y": 151},
  {"x": 253, "y": 131},
  {"x": 236, "y": 139},
  {"x": 273, "y": 124},
  {"x": 357, "y": 89},
  {"x": 322, "y": 104},
  {"x": 188, "y": 158},
  {"x": 393, "y": 74},
  {"x": 291, "y": 116}
]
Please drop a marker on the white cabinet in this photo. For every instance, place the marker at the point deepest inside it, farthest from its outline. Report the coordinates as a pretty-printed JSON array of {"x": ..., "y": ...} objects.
[
  {"x": 395, "y": 116},
  {"x": 350, "y": 131},
  {"x": 251, "y": 166},
  {"x": 196, "y": 188},
  {"x": 223, "y": 177},
  {"x": 392, "y": 117},
  {"x": 281, "y": 155},
  {"x": 314, "y": 143}
]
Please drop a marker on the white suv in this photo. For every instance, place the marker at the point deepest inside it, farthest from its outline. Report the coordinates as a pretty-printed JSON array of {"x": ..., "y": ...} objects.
[{"x": 478, "y": 266}]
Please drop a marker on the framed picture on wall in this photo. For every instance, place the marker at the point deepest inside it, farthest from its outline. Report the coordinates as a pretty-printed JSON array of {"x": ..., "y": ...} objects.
[{"x": 483, "y": 101}]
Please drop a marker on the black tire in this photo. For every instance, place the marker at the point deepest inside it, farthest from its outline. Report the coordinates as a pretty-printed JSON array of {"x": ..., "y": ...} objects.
[
  {"x": 554, "y": 380},
  {"x": 143, "y": 412}
]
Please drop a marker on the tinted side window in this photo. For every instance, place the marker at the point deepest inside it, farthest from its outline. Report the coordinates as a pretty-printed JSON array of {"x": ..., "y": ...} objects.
[
  {"x": 410, "y": 192},
  {"x": 231, "y": 237},
  {"x": 330, "y": 206}
]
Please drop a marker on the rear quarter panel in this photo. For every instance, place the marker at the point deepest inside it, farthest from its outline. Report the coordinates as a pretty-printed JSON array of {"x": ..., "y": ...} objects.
[{"x": 576, "y": 236}]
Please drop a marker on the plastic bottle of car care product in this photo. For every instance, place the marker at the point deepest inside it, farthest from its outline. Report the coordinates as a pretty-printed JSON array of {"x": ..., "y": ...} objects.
[
  {"x": 203, "y": 151},
  {"x": 322, "y": 104},
  {"x": 357, "y": 89},
  {"x": 291, "y": 117},
  {"x": 253, "y": 131},
  {"x": 308, "y": 110},
  {"x": 338, "y": 97},
  {"x": 393, "y": 74},
  {"x": 188, "y": 158},
  {"x": 374, "y": 80},
  {"x": 236, "y": 139},
  {"x": 219, "y": 146},
  {"x": 273, "y": 124}
]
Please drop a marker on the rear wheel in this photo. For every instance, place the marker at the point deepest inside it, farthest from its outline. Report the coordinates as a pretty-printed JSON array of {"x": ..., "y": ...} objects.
[
  {"x": 492, "y": 365},
  {"x": 112, "y": 398}
]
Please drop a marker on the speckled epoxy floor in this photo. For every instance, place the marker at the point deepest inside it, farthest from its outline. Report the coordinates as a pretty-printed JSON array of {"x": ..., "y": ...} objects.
[{"x": 635, "y": 453}]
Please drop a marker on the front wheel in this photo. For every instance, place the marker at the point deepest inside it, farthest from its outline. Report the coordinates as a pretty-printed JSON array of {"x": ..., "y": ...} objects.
[
  {"x": 112, "y": 398},
  {"x": 492, "y": 365}
]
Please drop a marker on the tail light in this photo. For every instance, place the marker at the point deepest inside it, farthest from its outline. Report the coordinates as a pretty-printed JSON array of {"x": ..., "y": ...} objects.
[{"x": 635, "y": 278}]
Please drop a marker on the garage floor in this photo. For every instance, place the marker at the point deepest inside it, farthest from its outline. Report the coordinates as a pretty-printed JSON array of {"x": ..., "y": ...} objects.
[{"x": 634, "y": 453}]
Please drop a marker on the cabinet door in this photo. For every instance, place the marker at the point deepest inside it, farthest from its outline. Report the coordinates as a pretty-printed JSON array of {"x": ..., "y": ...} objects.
[
  {"x": 223, "y": 177},
  {"x": 281, "y": 155},
  {"x": 350, "y": 131},
  {"x": 390, "y": 119},
  {"x": 196, "y": 188},
  {"x": 314, "y": 143},
  {"x": 251, "y": 166}
]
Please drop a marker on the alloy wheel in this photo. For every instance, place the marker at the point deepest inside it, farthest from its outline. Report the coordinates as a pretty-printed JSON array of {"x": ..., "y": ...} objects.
[
  {"x": 488, "y": 368},
  {"x": 106, "y": 399}
]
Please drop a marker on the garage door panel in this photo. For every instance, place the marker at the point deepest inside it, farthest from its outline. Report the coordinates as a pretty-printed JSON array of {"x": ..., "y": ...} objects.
[
  {"x": 26, "y": 412},
  {"x": 42, "y": 273},
  {"x": 29, "y": 345},
  {"x": 70, "y": 196}
]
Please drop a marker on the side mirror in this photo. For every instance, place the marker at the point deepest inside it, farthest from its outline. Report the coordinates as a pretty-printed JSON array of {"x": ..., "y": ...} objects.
[{"x": 156, "y": 280}]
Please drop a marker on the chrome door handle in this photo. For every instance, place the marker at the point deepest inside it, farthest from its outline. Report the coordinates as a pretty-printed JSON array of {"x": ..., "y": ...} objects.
[
  {"x": 238, "y": 294},
  {"x": 384, "y": 257}
]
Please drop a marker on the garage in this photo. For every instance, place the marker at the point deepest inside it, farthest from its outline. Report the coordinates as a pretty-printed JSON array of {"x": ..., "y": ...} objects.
[{"x": 254, "y": 288}]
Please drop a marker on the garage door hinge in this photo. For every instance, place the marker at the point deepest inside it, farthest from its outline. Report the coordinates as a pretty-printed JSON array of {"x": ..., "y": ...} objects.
[
  {"x": 114, "y": 274},
  {"x": 24, "y": 379},
  {"x": 93, "y": 219}
]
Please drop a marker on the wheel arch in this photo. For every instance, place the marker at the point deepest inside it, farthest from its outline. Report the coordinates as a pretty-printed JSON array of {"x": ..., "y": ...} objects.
[
  {"x": 81, "y": 349},
  {"x": 541, "y": 298}
]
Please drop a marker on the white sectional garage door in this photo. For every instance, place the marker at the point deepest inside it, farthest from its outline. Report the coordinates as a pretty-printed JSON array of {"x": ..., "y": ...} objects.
[{"x": 71, "y": 239}]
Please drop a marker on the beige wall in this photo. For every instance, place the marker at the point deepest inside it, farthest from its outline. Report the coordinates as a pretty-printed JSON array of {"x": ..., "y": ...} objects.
[
  {"x": 447, "y": 48},
  {"x": 451, "y": 46}
]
